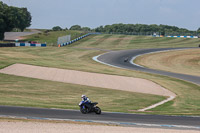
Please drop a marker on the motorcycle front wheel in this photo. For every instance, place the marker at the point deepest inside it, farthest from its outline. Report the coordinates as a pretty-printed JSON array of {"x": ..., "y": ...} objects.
[{"x": 83, "y": 110}]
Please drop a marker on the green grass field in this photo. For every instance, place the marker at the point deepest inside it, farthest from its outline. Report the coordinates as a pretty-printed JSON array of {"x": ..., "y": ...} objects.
[
  {"x": 32, "y": 92},
  {"x": 51, "y": 37},
  {"x": 118, "y": 42}
]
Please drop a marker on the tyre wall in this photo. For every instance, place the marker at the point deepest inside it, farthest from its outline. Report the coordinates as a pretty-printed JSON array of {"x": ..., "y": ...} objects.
[{"x": 7, "y": 44}]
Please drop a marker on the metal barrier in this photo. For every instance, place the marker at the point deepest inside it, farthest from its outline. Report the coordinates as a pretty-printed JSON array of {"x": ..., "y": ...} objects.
[
  {"x": 184, "y": 36},
  {"x": 176, "y": 36},
  {"x": 30, "y": 44}
]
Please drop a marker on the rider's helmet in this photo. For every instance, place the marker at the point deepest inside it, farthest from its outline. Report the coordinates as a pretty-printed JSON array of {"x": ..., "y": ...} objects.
[{"x": 83, "y": 96}]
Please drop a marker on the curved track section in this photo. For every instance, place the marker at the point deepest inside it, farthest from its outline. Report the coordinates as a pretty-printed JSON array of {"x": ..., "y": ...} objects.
[{"x": 122, "y": 59}]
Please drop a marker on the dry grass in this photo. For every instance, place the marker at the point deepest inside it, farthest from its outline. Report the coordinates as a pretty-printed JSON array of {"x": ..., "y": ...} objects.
[
  {"x": 181, "y": 61},
  {"x": 118, "y": 42}
]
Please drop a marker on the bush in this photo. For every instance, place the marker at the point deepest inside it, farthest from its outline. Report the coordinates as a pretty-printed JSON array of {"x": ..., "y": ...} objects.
[{"x": 57, "y": 28}]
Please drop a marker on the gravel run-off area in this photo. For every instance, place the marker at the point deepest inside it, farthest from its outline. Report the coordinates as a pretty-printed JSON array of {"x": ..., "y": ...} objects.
[
  {"x": 88, "y": 79},
  {"x": 41, "y": 127}
]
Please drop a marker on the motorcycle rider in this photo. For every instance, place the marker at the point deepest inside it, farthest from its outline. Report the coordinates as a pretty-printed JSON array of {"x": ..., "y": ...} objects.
[{"x": 87, "y": 102}]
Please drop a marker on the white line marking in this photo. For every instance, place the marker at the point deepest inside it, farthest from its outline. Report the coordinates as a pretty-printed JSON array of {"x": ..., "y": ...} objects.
[
  {"x": 158, "y": 104},
  {"x": 95, "y": 59}
]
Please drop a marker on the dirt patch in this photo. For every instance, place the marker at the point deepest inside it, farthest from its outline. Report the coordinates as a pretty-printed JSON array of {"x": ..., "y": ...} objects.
[
  {"x": 38, "y": 127},
  {"x": 88, "y": 79}
]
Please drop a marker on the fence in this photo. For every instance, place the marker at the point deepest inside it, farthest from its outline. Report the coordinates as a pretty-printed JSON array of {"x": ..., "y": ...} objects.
[
  {"x": 64, "y": 39},
  {"x": 77, "y": 39}
]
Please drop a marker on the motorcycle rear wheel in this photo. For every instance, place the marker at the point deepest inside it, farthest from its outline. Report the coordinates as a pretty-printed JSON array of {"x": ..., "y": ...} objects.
[{"x": 97, "y": 110}]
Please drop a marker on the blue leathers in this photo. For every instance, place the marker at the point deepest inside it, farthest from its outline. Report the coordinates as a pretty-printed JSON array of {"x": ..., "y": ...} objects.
[{"x": 86, "y": 101}]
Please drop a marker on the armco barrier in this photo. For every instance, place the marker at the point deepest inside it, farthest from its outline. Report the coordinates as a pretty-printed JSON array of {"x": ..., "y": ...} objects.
[
  {"x": 177, "y": 36},
  {"x": 184, "y": 36},
  {"x": 77, "y": 39},
  {"x": 30, "y": 44}
]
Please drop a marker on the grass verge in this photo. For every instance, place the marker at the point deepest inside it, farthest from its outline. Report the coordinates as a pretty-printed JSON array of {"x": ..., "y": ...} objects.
[
  {"x": 51, "y": 37},
  {"x": 75, "y": 58},
  {"x": 20, "y": 91},
  {"x": 181, "y": 61}
]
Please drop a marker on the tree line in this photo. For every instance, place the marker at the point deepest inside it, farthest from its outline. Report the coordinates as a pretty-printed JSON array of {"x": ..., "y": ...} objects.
[
  {"x": 74, "y": 27},
  {"x": 144, "y": 29},
  {"x": 13, "y": 17},
  {"x": 135, "y": 29}
]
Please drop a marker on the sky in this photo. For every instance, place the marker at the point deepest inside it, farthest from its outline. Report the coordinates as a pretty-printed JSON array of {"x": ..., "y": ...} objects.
[{"x": 93, "y": 13}]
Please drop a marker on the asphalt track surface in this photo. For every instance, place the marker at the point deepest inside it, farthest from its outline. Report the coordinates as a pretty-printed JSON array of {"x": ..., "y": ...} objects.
[
  {"x": 120, "y": 118},
  {"x": 18, "y": 35},
  {"x": 117, "y": 59}
]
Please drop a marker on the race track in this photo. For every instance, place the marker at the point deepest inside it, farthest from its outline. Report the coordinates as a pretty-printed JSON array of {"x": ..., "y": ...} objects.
[{"x": 115, "y": 59}]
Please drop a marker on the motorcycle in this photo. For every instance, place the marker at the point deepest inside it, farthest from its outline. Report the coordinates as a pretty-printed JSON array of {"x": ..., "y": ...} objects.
[{"x": 86, "y": 107}]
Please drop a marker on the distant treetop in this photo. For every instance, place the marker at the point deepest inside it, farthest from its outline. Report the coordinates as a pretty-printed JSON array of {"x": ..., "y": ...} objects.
[
  {"x": 13, "y": 17},
  {"x": 75, "y": 27},
  {"x": 56, "y": 28},
  {"x": 143, "y": 29}
]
